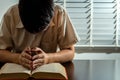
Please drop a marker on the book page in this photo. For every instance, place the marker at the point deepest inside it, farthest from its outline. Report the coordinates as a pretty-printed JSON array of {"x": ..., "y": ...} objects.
[
  {"x": 51, "y": 68},
  {"x": 13, "y": 68}
]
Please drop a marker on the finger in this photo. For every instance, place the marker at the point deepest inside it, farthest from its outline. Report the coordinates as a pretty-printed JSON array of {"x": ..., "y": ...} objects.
[
  {"x": 38, "y": 56},
  {"x": 25, "y": 60},
  {"x": 36, "y": 49},
  {"x": 37, "y": 61},
  {"x": 37, "y": 65},
  {"x": 27, "y": 49},
  {"x": 25, "y": 63},
  {"x": 28, "y": 56},
  {"x": 27, "y": 66}
]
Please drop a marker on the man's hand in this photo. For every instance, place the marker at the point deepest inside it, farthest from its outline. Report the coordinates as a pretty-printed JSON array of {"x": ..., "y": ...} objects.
[
  {"x": 40, "y": 58},
  {"x": 25, "y": 58}
]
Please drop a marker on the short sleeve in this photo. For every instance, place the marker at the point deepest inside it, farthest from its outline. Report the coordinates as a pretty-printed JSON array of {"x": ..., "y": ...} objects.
[
  {"x": 67, "y": 35},
  {"x": 5, "y": 38}
]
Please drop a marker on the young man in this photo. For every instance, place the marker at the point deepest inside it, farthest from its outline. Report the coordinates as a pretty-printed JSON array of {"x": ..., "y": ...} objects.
[{"x": 38, "y": 26}]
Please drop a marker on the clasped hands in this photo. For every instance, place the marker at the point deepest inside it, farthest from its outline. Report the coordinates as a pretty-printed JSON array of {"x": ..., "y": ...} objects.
[{"x": 31, "y": 58}]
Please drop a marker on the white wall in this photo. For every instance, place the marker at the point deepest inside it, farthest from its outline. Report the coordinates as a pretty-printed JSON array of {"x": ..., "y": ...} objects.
[{"x": 4, "y": 5}]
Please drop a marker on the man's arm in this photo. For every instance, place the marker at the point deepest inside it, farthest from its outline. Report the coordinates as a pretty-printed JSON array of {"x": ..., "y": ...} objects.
[
  {"x": 63, "y": 55},
  {"x": 18, "y": 58},
  {"x": 7, "y": 56}
]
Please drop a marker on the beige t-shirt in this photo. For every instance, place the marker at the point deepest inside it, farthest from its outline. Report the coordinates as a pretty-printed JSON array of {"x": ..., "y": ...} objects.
[{"x": 13, "y": 35}]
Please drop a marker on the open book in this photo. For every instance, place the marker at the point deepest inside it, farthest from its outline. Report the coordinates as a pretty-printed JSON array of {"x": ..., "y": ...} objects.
[{"x": 47, "y": 71}]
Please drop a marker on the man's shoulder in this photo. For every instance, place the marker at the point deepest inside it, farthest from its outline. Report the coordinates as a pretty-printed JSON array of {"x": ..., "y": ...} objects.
[
  {"x": 12, "y": 10},
  {"x": 59, "y": 8}
]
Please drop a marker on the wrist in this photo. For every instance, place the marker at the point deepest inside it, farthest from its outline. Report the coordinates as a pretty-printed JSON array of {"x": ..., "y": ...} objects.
[
  {"x": 50, "y": 58},
  {"x": 15, "y": 58},
  {"x": 47, "y": 59}
]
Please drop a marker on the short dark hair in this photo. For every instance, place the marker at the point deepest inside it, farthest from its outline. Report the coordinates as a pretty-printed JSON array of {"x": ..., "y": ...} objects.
[{"x": 36, "y": 14}]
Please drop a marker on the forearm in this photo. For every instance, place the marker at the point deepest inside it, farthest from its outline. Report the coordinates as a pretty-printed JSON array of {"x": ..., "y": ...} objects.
[
  {"x": 61, "y": 56},
  {"x": 6, "y": 56}
]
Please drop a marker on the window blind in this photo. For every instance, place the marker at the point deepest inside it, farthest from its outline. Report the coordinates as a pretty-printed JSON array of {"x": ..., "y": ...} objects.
[{"x": 97, "y": 23}]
